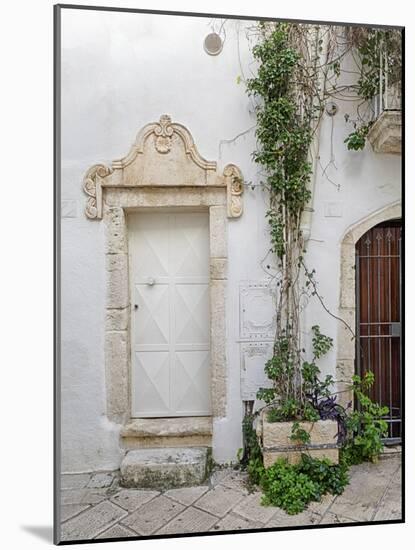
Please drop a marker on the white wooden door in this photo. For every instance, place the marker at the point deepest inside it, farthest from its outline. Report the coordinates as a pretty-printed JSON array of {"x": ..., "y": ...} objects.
[{"x": 169, "y": 271}]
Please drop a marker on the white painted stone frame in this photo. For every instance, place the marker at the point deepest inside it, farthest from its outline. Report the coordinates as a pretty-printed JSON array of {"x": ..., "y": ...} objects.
[
  {"x": 346, "y": 344},
  {"x": 163, "y": 169}
]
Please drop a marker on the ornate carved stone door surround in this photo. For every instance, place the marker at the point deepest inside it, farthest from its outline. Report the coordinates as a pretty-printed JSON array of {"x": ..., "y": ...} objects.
[
  {"x": 345, "y": 364},
  {"x": 163, "y": 169}
]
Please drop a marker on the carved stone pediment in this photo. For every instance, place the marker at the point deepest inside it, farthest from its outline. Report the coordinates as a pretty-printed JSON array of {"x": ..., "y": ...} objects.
[{"x": 163, "y": 154}]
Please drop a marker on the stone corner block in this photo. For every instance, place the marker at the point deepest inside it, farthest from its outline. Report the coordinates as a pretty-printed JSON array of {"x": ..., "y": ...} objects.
[
  {"x": 218, "y": 268},
  {"x": 117, "y": 281},
  {"x": 116, "y": 368},
  {"x": 117, "y": 319},
  {"x": 218, "y": 232},
  {"x": 115, "y": 230}
]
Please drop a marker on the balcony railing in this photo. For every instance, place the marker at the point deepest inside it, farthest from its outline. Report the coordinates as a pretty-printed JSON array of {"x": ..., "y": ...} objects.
[{"x": 386, "y": 133}]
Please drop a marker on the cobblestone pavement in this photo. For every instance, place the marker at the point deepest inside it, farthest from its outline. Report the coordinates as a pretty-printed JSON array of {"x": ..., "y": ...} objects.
[{"x": 94, "y": 506}]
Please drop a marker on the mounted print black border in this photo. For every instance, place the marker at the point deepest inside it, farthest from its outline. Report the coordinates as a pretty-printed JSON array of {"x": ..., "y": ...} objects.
[
  {"x": 57, "y": 8},
  {"x": 57, "y": 271}
]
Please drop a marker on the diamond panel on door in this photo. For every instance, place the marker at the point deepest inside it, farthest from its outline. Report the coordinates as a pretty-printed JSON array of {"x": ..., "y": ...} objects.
[
  {"x": 191, "y": 312},
  {"x": 170, "y": 327},
  {"x": 191, "y": 373},
  {"x": 152, "y": 314},
  {"x": 190, "y": 239},
  {"x": 151, "y": 381},
  {"x": 151, "y": 246}
]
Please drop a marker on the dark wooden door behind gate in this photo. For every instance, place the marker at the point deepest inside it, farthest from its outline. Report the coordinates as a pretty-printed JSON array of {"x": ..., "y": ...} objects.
[{"x": 378, "y": 319}]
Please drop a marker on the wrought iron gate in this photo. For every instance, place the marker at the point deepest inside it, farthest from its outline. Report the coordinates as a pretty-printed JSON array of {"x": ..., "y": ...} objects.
[{"x": 378, "y": 317}]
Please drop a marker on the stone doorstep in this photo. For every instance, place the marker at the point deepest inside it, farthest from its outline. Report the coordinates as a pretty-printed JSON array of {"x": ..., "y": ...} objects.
[{"x": 169, "y": 468}]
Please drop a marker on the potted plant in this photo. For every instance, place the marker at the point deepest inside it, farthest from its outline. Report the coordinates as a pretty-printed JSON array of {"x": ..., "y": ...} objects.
[{"x": 301, "y": 413}]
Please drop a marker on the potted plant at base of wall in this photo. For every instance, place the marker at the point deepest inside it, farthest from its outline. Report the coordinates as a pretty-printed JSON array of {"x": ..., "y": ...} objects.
[
  {"x": 302, "y": 448},
  {"x": 301, "y": 413}
]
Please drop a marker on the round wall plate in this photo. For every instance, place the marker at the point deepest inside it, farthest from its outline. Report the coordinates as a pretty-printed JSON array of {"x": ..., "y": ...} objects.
[{"x": 213, "y": 44}]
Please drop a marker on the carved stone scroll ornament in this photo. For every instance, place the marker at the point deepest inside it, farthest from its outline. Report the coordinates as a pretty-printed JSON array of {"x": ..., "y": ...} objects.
[
  {"x": 235, "y": 189},
  {"x": 163, "y": 133},
  {"x": 92, "y": 187}
]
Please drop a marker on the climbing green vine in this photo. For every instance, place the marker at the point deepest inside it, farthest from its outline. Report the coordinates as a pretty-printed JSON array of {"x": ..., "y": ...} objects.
[{"x": 287, "y": 112}]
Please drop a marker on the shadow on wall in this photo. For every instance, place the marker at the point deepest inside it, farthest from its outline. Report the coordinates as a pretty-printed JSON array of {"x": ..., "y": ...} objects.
[{"x": 42, "y": 532}]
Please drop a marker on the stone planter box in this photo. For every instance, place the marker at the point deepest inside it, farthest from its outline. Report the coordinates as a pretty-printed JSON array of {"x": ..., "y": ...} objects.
[{"x": 276, "y": 443}]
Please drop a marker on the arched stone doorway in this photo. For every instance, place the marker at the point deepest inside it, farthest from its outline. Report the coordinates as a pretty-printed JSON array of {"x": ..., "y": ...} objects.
[
  {"x": 346, "y": 336},
  {"x": 378, "y": 317}
]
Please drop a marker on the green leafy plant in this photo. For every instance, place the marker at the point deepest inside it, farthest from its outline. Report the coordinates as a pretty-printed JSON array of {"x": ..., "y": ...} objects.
[
  {"x": 287, "y": 488},
  {"x": 292, "y": 487},
  {"x": 300, "y": 434},
  {"x": 357, "y": 139},
  {"x": 365, "y": 425},
  {"x": 331, "y": 478},
  {"x": 280, "y": 371}
]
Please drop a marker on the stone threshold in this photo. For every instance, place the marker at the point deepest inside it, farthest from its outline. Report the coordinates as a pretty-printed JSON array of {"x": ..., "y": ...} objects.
[
  {"x": 185, "y": 431},
  {"x": 168, "y": 427},
  {"x": 390, "y": 451}
]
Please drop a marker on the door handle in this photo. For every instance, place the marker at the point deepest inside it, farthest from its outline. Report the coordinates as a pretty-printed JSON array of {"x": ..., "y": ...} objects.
[{"x": 150, "y": 281}]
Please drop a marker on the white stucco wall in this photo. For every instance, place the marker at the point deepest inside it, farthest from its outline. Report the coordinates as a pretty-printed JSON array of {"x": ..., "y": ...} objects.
[{"x": 119, "y": 72}]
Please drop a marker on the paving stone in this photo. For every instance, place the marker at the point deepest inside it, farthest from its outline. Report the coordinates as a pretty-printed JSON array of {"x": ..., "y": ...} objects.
[
  {"x": 330, "y": 519},
  {"x": 147, "y": 519},
  {"x": 322, "y": 506},
  {"x": 131, "y": 499},
  {"x": 74, "y": 481},
  {"x": 220, "y": 500},
  {"x": 390, "y": 506},
  {"x": 101, "y": 480},
  {"x": 382, "y": 468},
  {"x": 236, "y": 480},
  {"x": 187, "y": 495},
  {"x": 117, "y": 531},
  {"x": 281, "y": 519},
  {"x": 67, "y": 511},
  {"x": 83, "y": 496},
  {"x": 361, "y": 497},
  {"x": 218, "y": 476},
  {"x": 397, "y": 476},
  {"x": 92, "y": 522},
  {"x": 233, "y": 522},
  {"x": 251, "y": 509},
  {"x": 191, "y": 520}
]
